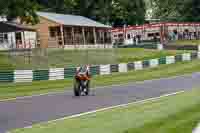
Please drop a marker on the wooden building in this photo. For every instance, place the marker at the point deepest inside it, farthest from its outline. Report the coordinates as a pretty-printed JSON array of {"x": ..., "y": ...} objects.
[{"x": 70, "y": 31}]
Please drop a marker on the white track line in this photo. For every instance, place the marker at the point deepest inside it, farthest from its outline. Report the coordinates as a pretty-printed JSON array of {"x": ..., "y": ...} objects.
[
  {"x": 108, "y": 108},
  {"x": 61, "y": 92},
  {"x": 25, "y": 97}
]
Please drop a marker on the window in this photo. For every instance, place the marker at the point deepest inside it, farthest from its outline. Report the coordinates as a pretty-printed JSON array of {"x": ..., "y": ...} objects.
[
  {"x": 150, "y": 35},
  {"x": 120, "y": 35},
  {"x": 3, "y": 37},
  {"x": 6, "y": 37},
  {"x": 18, "y": 36},
  {"x": 52, "y": 32}
]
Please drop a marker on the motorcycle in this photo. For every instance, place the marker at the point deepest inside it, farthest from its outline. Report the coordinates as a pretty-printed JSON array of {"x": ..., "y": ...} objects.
[{"x": 82, "y": 81}]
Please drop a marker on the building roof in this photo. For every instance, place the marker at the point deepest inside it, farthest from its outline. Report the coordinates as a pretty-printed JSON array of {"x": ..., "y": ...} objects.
[
  {"x": 72, "y": 20},
  {"x": 155, "y": 25},
  {"x": 13, "y": 27}
]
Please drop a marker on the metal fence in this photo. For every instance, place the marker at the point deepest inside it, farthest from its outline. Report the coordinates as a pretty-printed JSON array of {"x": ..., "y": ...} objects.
[{"x": 46, "y": 58}]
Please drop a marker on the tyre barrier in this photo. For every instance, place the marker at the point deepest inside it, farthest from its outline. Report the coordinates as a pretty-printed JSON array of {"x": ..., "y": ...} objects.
[{"x": 19, "y": 76}]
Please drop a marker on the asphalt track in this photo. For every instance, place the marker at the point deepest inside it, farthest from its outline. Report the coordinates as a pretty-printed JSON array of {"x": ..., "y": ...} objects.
[{"x": 31, "y": 110}]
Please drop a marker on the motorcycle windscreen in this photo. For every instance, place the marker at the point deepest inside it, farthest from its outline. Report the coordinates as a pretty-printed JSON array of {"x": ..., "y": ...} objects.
[{"x": 82, "y": 70}]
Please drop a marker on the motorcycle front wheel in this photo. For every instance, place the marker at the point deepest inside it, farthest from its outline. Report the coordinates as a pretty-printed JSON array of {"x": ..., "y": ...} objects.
[
  {"x": 77, "y": 89},
  {"x": 87, "y": 88}
]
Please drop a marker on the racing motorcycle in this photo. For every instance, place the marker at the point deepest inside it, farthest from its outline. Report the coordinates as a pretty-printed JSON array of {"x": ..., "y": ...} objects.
[{"x": 82, "y": 81}]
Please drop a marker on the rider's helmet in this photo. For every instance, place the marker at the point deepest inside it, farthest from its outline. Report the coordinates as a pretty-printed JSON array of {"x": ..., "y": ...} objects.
[{"x": 84, "y": 70}]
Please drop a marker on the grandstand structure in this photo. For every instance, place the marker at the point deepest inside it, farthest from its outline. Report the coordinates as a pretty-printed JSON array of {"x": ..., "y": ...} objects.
[{"x": 161, "y": 31}]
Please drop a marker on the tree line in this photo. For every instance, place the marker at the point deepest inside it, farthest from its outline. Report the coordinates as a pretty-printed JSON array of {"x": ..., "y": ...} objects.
[
  {"x": 112, "y": 12},
  {"x": 177, "y": 10}
]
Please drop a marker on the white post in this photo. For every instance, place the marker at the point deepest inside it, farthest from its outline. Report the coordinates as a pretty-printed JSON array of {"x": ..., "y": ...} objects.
[
  {"x": 95, "y": 37},
  {"x": 136, "y": 39},
  {"x": 23, "y": 39},
  {"x": 73, "y": 36},
  {"x": 159, "y": 47},
  {"x": 104, "y": 39},
  {"x": 62, "y": 35},
  {"x": 198, "y": 47},
  {"x": 83, "y": 33}
]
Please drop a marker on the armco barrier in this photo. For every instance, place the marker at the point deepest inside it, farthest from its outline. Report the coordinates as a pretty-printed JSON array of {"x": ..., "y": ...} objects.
[
  {"x": 180, "y": 47},
  {"x": 68, "y": 73},
  {"x": 146, "y": 46}
]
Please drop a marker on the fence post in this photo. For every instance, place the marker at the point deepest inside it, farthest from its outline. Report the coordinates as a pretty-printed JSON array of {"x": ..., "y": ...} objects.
[
  {"x": 198, "y": 47},
  {"x": 159, "y": 47}
]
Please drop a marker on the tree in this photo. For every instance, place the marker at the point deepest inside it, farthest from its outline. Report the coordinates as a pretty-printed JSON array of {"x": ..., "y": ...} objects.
[
  {"x": 103, "y": 11},
  {"x": 190, "y": 11},
  {"x": 166, "y": 9},
  {"x": 177, "y": 10},
  {"x": 57, "y": 6},
  {"x": 117, "y": 12},
  {"x": 129, "y": 12},
  {"x": 25, "y": 9}
]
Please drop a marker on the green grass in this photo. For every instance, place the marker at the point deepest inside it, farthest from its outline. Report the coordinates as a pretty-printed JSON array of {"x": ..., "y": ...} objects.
[
  {"x": 46, "y": 58},
  {"x": 135, "y": 54},
  {"x": 187, "y": 42},
  {"x": 12, "y": 90},
  {"x": 172, "y": 114},
  {"x": 5, "y": 63}
]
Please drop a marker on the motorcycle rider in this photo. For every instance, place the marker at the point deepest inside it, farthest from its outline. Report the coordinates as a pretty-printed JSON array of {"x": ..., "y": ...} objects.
[{"x": 85, "y": 71}]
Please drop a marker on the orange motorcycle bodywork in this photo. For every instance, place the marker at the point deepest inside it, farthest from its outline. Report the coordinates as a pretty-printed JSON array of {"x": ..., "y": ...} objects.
[{"x": 82, "y": 77}]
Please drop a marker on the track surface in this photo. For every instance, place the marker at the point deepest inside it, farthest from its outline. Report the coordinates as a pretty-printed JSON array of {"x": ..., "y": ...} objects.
[{"x": 27, "y": 111}]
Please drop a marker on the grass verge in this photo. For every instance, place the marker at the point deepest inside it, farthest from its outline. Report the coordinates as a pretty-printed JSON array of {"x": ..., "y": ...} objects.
[
  {"x": 166, "y": 115},
  {"x": 13, "y": 90},
  {"x": 187, "y": 42},
  {"x": 46, "y": 58}
]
